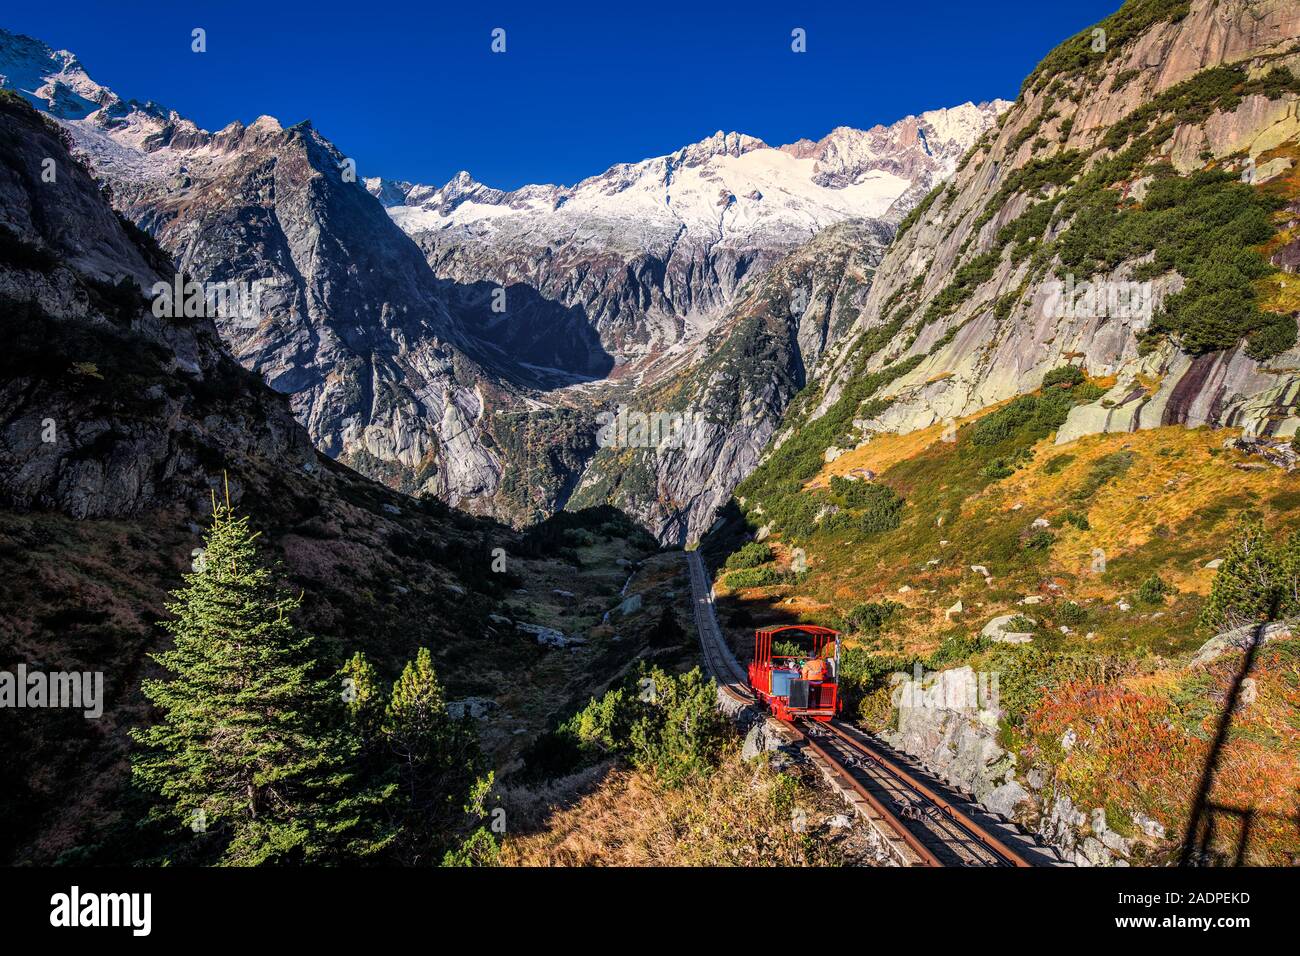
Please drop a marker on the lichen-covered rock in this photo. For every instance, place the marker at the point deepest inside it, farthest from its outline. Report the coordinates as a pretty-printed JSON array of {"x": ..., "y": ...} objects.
[{"x": 944, "y": 722}]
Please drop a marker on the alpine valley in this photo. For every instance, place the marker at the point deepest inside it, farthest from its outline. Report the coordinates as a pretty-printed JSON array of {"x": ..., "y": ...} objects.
[
  {"x": 378, "y": 312},
  {"x": 1003, "y": 393}
]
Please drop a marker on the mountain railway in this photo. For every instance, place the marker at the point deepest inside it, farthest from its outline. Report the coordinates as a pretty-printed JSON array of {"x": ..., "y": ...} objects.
[{"x": 916, "y": 822}]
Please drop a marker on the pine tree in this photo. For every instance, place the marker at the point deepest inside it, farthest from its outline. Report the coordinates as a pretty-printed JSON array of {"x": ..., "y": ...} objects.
[
  {"x": 480, "y": 847},
  {"x": 245, "y": 751},
  {"x": 438, "y": 759},
  {"x": 374, "y": 786},
  {"x": 363, "y": 699},
  {"x": 1259, "y": 581}
]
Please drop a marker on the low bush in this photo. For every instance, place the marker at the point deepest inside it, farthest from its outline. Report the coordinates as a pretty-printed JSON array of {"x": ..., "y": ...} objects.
[
  {"x": 750, "y": 555},
  {"x": 754, "y": 577},
  {"x": 1070, "y": 614},
  {"x": 1153, "y": 591},
  {"x": 667, "y": 724},
  {"x": 871, "y": 616},
  {"x": 1040, "y": 542},
  {"x": 1078, "y": 519}
]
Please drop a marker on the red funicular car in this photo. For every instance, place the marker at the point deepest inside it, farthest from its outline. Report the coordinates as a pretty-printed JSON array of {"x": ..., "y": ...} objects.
[{"x": 796, "y": 670}]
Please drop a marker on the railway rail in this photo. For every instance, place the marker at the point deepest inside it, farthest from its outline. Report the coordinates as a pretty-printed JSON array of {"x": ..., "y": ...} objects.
[{"x": 920, "y": 825}]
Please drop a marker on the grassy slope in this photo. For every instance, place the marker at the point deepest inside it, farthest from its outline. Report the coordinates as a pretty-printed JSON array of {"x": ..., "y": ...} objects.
[
  {"x": 1161, "y": 502},
  {"x": 740, "y": 815}
]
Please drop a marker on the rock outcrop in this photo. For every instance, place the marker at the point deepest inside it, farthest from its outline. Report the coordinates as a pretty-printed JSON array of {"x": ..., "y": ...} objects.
[
  {"x": 1000, "y": 335},
  {"x": 108, "y": 410},
  {"x": 949, "y": 721}
]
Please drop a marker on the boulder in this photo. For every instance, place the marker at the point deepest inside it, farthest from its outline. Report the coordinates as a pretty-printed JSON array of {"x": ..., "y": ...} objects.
[
  {"x": 1094, "y": 852},
  {"x": 1006, "y": 798},
  {"x": 1271, "y": 169},
  {"x": 549, "y": 636},
  {"x": 1249, "y": 692},
  {"x": 631, "y": 604},
  {"x": 1239, "y": 638},
  {"x": 1111, "y": 840},
  {"x": 760, "y": 739},
  {"x": 999, "y": 630},
  {"x": 476, "y": 708},
  {"x": 1152, "y": 828}
]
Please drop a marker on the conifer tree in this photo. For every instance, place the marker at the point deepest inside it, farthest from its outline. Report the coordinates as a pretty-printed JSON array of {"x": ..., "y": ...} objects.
[
  {"x": 374, "y": 783},
  {"x": 438, "y": 759},
  {"x": 245, "y": 751},
  {"x": 480, "y": 847},
  {"x": 1259, "y": 580},
  {"x": 363, "y": 699}
]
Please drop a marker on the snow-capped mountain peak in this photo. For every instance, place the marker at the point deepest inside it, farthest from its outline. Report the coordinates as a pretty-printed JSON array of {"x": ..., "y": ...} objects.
[
  {"x": 729, "y": 188},
  {"x": 53, "y": 80}
]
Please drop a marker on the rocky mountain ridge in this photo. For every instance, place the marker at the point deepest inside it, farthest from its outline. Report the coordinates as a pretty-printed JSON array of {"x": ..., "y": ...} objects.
[
  {"x": 343, "y": 315},
  {"x": 477, "y": 378},
  {"x": 972, "y": 290},
  {"x": 648, "y": 254}
]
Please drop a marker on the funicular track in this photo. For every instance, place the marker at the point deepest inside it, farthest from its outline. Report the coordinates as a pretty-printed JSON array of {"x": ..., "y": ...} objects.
[{"x": 920, "y": 825}]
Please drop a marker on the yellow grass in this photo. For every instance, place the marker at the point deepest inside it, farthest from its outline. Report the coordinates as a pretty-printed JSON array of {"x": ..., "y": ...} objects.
[
  {"x": 887, "y": 449},
  {"x": 1176, "y": 487},
  {"x": 742, "y": 815}
]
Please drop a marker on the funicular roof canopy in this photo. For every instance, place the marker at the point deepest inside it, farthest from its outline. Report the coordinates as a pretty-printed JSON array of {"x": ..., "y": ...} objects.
[{"x": 805, "y": 628}]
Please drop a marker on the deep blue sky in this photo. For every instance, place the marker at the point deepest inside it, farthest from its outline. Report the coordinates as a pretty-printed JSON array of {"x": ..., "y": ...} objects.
[{"x": 412, "y": 91}]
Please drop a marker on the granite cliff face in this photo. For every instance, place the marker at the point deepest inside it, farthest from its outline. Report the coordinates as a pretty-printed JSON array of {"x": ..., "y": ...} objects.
[
  {"x": 971, "y": 292},
  {"x": 108, "y": 410},
  {"x": 761, "y": 355},
  {"x": 346, "y": 319}
]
